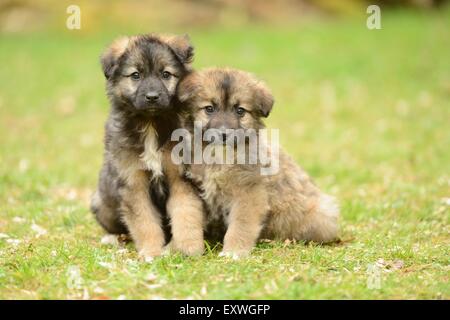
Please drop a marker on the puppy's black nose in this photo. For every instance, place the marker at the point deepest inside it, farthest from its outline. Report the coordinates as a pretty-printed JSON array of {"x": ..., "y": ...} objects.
[{"x": 152, "y": 96}]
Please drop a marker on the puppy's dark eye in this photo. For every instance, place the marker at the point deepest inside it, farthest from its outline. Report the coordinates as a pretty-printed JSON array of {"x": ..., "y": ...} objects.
[
  {"x": 166, "y": 75},
  {"x": 240, "y": 111},
  {"x": 135, "y": 76},
  {"x": 209, "y": 109}
]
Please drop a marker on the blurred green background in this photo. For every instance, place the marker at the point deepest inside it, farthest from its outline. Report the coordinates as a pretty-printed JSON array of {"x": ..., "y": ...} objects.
[
  {"x": 98, "y": 16},
  {"x": 365, "y": 112}
]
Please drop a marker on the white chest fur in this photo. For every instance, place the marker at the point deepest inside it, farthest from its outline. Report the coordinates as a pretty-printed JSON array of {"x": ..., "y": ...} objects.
[{"x": 152, "y": 156}]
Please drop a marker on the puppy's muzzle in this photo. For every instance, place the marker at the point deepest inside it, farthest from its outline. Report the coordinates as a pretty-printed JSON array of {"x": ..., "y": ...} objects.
[
  {"x": 224, "y": 136},
  {"x": 152, "y": 97}
]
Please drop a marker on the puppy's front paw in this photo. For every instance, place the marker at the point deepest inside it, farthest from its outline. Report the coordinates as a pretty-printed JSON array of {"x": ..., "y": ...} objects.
[
  {"x": 149, "y": 254},
  {"x": 189, "y": 248}
]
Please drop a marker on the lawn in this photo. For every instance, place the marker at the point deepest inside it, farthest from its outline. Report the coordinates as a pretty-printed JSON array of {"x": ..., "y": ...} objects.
[{"x": 366, "y": 113}]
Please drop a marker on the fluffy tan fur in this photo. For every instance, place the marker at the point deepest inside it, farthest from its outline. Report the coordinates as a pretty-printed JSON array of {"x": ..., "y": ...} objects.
[{"x": 287, "y": 205}]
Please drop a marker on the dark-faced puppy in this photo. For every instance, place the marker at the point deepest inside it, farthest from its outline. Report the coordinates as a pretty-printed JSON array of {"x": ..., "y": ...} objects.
[
  {"x": 284, "y": 204},
  {"x": 142, "y": 73}
]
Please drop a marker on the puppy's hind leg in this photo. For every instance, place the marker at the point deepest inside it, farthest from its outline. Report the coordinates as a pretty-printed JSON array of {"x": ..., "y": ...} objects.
[
  {"x": 107, "y": 216},
  {"x": 105, "y": 203}
]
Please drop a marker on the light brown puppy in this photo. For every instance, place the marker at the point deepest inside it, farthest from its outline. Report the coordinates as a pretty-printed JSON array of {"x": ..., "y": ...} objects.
[{"x": 238, "y": 198}]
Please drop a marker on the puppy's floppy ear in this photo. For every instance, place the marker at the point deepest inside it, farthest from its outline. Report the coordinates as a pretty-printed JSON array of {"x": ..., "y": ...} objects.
[
  {"x": 264, "y": 99},
  {"x": 188, "y": 87},
  {"x": 112, "y": 54},
  {"x": 181, "y": 45}
]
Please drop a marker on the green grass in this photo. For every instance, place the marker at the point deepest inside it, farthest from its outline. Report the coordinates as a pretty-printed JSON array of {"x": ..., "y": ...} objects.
[{"x": 366, "y": 113}]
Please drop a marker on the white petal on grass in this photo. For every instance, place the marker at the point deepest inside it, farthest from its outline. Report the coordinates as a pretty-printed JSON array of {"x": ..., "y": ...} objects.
[
  {"x": 397, "y": 264},
  {"x": 98, "y": 290},
  {"x": 380, "y": 262},
  {"x": 236, "y": 257},
  {"x": 110, "y": 239},
  {"x": 39, "y": 230},
  {"x": 148, "y": 259},
  {"x": 24, "y": 164},
  {"x": 151, "y": 277},
  {"x": 389, "y": 266},
  {"x": 19, "y": 220},
  {"x": 106, "y": 265},
  {"x": 229, "y": 279},
  {"x": 3, "y": 236},
  {"x": 122, "y": 251},
  {"x": 153, "y": 286},
  {"x": 13, "y": 242},
  {"x": 233, "y": 256}
]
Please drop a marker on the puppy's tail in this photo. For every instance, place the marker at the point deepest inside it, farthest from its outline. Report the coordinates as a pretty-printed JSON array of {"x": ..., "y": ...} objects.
[{"x": 323, "y": 223}]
